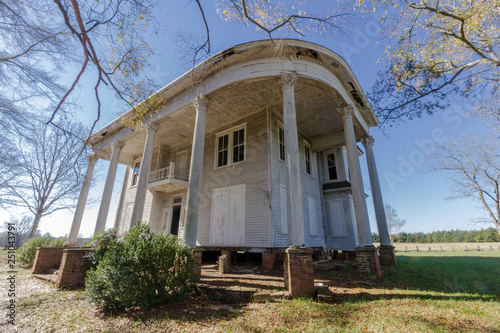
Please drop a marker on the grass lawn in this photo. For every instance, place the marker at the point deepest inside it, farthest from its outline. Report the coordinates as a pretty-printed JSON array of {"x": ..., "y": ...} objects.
[{"x": 437, "y": 292}]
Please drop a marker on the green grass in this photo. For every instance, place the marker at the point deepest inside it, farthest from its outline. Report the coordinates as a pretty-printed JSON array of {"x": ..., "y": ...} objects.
[{"x": 455, "y": 272}]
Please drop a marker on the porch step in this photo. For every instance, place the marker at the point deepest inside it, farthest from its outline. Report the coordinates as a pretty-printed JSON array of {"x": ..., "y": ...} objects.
[{"x": 50, "y": 278}]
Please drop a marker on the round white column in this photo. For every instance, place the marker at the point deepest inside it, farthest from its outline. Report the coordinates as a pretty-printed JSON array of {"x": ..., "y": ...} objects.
[
  {"x": 378, "y": 202},
  {"x": 142, "y": 182},
  {"x": 82, "y": 200},
  {"x": 195, "y": 172},
  {"x": 295, "y": 216},
  {"x": 102, "y": 216},
  {"x": 358, "y": 192}
]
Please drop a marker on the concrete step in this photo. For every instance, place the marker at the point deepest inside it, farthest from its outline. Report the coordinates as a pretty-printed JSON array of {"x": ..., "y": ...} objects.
[{"x": 50, "y": 278}]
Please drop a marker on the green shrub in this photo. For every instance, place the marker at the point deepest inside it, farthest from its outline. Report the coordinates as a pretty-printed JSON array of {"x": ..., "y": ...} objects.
[
  {"x": 100, "y": 244},
  {"x": 141, "y": 269},
  {"x": 26, "y": 254}
]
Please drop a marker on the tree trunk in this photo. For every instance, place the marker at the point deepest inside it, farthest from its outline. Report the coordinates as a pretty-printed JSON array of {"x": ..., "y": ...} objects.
[{"x": 38, "y": 217}]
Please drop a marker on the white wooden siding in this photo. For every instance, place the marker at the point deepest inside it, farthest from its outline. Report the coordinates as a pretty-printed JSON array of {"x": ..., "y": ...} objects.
[{"x": 283, "y": 211}]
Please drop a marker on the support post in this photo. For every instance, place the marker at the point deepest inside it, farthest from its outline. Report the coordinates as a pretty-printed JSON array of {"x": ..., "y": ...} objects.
[
  {"x": 295, "y": 218},
  {"x": 195, "y": 173},
  {"x": 386, "y": 250},
  {"x": 82, "y": 200},
  {"x": 142, "y": 182},
  {"x": 366, "y": 253},
  {"x": 108, "y": 188}
]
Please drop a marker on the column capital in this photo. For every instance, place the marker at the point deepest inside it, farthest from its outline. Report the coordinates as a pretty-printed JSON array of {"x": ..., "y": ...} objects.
[
  {"x": 151, "y": 127},
  {"x": 368, "y": 141},
  {"x": 288, "y": 80},
  {"x": 200, "y": 102},
  {"x": 346, "y": 111},
  {"x": 118, "y": 145},
  {"x": 92, "y": 158}
]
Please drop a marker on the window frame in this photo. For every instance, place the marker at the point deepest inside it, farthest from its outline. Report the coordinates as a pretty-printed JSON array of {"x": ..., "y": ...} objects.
[
  {"x": 281, "y": 127},
  {"x": 230, "y": 145},
  {"x": 134, "y": 179},
  {"x": 307, "y": 147},
  {"x": 327, "y": 171}
]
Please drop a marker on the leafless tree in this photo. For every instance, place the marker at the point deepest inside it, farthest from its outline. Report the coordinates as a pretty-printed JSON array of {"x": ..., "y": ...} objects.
[
  {"x": 394, "y": 222},
  {"x": 473, "y": 163},
  {"x": 50, "y": 170},
  {"x": 23, "y": 228}
]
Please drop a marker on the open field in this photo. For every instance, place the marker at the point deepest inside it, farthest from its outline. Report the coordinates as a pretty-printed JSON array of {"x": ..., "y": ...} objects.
[
  {"x": 446, "y": 247},
  {"x": 441, "y": 292}
]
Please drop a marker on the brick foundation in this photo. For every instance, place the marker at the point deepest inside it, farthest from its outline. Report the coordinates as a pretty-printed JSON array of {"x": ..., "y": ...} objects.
[
  {"x": 367, "y": 261},
  {"x": 387, "y": 255},
  {"x": 224, "y": 263},
  {"x": 268, "y": 260},
  {"x": 47, "y": 257},
  {"x": 197, "y": 256},
  {"x": 74, "y": 267},
  {"x": 298, "y": 272}
]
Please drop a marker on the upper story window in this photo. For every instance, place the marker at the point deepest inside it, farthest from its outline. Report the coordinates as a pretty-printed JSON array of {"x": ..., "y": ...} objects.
[
  {"x": 281, "y": 140},
  {"x": 331, "y": 167},
  {"x": 230, "y": 146},
  {"x": 135, "y": 175},
  {"x": 307, "y": 156}
]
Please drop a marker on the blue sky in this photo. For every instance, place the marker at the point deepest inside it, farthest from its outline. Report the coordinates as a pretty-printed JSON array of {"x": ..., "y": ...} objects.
[{"x": 419, "y": 197}]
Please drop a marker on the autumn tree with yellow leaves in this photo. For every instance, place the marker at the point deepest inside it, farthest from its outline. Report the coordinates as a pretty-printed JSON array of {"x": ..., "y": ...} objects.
[{"x": 438, "y": 53}]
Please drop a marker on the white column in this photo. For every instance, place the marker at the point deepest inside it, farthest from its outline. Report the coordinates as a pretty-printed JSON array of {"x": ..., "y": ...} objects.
[
  {"x": 82, "y": 200},
  {"x": 102, "y": 216},
  {"x": 142, "y": 182},
  {"x": 358, "y": 192},
  {"x": 195, "y": 172},
  {"x": 378, "y": 202},
  {"x": 294, "y": 187}
]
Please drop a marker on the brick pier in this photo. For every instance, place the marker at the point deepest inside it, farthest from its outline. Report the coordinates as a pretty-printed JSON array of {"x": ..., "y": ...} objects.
[
  {"x": 299, "y": 272},
  {"x": 368, "y": 261}
]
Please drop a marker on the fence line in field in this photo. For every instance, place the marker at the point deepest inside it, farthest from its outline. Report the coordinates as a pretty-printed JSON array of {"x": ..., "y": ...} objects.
[{"x": 422, "y": 248}]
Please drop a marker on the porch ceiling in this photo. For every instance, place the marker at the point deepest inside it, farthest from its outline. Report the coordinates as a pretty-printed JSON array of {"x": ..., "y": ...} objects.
[{"x": 315, "y": 105}]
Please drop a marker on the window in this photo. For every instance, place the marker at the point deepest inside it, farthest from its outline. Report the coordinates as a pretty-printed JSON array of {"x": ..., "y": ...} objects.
[
  {"x": 222, "y": 151},
  {"x": 331, "y": 166},
  {"x": 281, "y": 135},
  {"x": 307, "y": 155},
  {"x": 135, "y": 176},
  {"x": 230, "y": 147},
  {"x": 239, "y": 145}
]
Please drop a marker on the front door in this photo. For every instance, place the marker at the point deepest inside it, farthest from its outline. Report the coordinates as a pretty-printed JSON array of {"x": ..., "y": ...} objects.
[{"x": 174, "y": 225}]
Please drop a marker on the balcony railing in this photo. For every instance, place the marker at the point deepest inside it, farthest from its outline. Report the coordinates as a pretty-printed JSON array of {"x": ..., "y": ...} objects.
[{"x": 170, "y": 172}]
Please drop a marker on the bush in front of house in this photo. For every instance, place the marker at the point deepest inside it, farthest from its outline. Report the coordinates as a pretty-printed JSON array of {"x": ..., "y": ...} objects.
[
  {"x": 100, "y": 244},
  {"x": 141, "y": 269},
  {"x": 26, "y": 254}
]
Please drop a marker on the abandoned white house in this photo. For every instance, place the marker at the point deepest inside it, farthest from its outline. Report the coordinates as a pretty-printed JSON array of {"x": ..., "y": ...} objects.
[{"x": 254, "y": 150}]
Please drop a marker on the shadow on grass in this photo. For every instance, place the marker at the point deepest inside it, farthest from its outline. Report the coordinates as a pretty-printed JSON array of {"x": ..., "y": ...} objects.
[{"x": 455, "y": 274}]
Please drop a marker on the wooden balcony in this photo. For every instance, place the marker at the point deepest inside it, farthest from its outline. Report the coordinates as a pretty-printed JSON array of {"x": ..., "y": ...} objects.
[{"x": 169, "y": 179}]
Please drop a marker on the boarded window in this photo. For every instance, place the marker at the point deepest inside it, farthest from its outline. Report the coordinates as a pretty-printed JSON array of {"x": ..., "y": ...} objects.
[
  {"x": 337, "y": 218},
  {"x": 313, "y": 217},
  {"x": 228, "y": 216}
]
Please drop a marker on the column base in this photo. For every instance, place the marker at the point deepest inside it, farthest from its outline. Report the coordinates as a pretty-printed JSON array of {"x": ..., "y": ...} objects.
[
  {"x": 368, "y": 261},
  {"x": 387, "y": 255},
  {"x": 299, "y": 272},
  {"x": 197, "y": 257}
]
